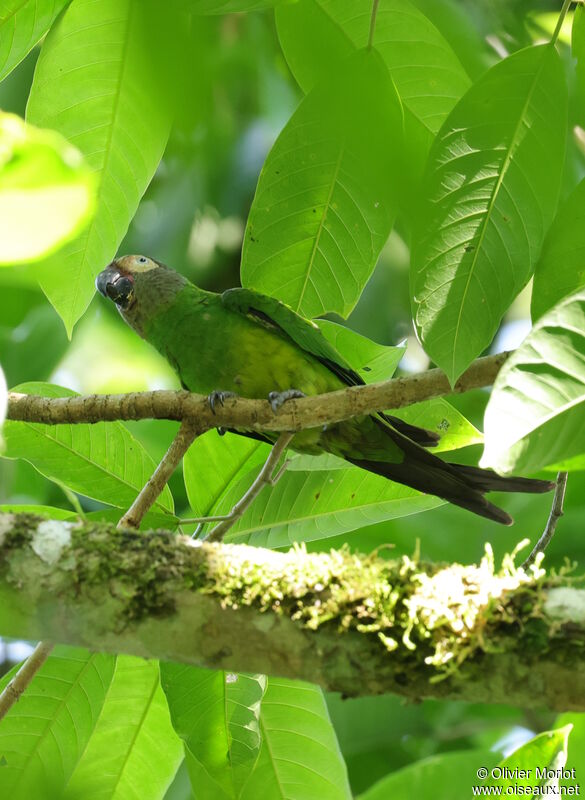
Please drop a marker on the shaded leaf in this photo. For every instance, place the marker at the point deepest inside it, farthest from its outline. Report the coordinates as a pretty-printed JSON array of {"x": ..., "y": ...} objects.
[
  {"x": 432, "y": 778},
  {"x": 44, "y": 735},
  {"x": 300, "y": 757},
  {"x": 216, "y": 714},
  {"x": 22, "y": 24},
  {"x": 485, "y": 208},
  {"x": 133, "y": 751},
  {"x": 534, "y": 417},
  {"x": 97, "y": 83},
  {"x": 323, "y": 207},
  {"x": 46, "y": 191},
  {"x": 103, "y": 461},
  {"x": 561, "y": 268}
]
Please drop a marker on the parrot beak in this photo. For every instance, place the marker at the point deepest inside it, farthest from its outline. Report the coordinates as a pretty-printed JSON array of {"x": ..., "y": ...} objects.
[{"x": 111, "y": 283}]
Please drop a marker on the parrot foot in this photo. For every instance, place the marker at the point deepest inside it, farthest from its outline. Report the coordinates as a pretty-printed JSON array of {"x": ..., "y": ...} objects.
[
  {"x": 277, "y": 399},
  {"x": 218, "y": 397}
]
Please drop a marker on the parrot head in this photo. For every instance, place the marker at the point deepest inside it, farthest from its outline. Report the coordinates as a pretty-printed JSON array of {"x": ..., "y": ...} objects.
[{"x": 140, "y": 287}]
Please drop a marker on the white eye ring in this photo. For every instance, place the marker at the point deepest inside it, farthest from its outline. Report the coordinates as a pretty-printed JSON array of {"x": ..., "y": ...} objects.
[{"x": 142, "y": 260}]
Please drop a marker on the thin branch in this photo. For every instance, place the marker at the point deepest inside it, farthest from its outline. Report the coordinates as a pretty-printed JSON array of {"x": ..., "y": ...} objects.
[
  {"x": 152, "y": 489},
  {"x": 14, "y": 689},
  {"x": 256, "y": 415},
  {"x": 556, "y": 513},
  {"x": 265, "y": 477}
]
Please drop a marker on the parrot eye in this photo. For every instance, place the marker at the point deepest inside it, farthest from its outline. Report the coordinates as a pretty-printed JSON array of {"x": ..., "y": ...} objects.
[
  {"x": 121, "y": 292},
  {"x": 142, "y": 260}
]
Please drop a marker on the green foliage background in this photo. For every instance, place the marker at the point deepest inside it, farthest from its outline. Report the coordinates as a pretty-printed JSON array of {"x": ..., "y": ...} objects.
[{"x": 372, "y": 162}]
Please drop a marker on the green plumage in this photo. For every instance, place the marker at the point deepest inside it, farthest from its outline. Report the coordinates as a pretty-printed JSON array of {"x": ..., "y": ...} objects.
[{"x": 252, "y": 345}]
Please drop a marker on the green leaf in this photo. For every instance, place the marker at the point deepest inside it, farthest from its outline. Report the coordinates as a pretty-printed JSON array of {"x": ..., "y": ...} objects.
[
  {"x": 534, "y": 417},
  {"x": 323, "y": 207},
  {"x": 305, "y": 506},
  {"x": 228, "y": 6},
  {"x": 103, "y": 461},
  {"x": 373, "y": 361},
  {"x": 547, "y": 751},
  {"x": 22, "y": 24},
  {"x": 3, "y": 405},
  {"x": 440, "y": 416},
  {"x": 46, "y": 192},
  {"x": 316, "y": 34},
  {"x": 561, "y": 268},
  {"x": 578, "y": 44},
  {"x": 433, "y": 778},
  {"x": 41, "y": 511},
  {"x": 486, "y": 208},
  {"x": 300, "y": 757},
  {"x": 44, "y": 735},
  {"x": 212, "y": 463},
  {"x": 216, "y": 714},
  {"x": 133, "y": 751},
  {"x": 97, "y": 82}
]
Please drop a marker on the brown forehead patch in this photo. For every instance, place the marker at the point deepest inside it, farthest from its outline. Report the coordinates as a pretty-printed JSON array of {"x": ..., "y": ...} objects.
[{"x": 133, "y": 263}]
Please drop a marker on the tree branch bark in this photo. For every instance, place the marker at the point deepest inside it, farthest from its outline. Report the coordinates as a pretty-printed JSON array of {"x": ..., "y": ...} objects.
[
  {"x": 295, "y": 415},
  {"x": 356, "y": 624}
]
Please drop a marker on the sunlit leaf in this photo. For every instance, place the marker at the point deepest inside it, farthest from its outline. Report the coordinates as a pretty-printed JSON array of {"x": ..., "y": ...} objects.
[
  {"x": 97, "y": 82},
  {"x": 44, "y": 735},
  {"x": 432, "y": 778},
  {"x": 373, "y": 361},
  {"x": 486, "y": 208},
  {"x": 316, "y": 34},
  {"x": 323, "y": 207},
  {"x": 561, "y": 267},
  {"x": 22, "y": 24},
  {"x": 216, "y": 714},
  {"x": 133, "y": 751},
  {"x": 103, "y": 461},
  {"x": 534, "y": 417},
  {"x": 227, "y": 6},
  {"x": 213, "y": 462},
  {"x": 300, "y": 757},
  {"x": 46, "y": 191},
  {"x": 547, "y": 751},
  {"x": 305, "y": 506},
  {"x": 439, "y": 416}
]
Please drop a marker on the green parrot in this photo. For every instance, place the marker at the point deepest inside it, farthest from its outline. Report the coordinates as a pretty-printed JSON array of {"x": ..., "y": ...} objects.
[{"x": 255, "y": 346}]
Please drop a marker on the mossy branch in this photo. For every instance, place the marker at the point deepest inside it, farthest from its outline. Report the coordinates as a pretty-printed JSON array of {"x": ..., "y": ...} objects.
[
  {"x": 356, "y": 624},
  {"x": 257, "y": 415}
]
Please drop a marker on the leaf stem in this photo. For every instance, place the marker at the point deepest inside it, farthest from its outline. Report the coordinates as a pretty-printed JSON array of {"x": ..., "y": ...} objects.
[
  {"x": 563, "y": 13},
  {"x": 556, "y": 513},
  {"x": 375, "y": 5}
]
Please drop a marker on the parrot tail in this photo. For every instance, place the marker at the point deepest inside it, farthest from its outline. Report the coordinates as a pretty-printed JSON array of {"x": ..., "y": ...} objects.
[{"x": 461, "y": 485}]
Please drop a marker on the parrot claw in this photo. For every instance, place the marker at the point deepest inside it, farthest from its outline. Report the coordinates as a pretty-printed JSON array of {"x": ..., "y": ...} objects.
[
  {"x": 218, "y": 397},
  {"x": 277, "y": 399}
]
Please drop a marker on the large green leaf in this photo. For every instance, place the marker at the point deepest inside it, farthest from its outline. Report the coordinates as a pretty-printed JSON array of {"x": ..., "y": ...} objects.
[
  {"x": 98, "y": 83},
  {"x": 375, "y": 362},
  {"x": 213, "y": 462},
  {"x": 535, "y": 414},
  {"x": 216, "y": 714},
  {"x": 44, "y": 735},
  {"x": 486, "y": 208},
  {"x": 22, "y": 24},
  {"x": 561, "y": 267},
  {"x": 547, "y": 751},
  {"x": 46, "y": 191},
  {"x": 316, "y": 34},
  {"x": 3, "y": 405},
  {"x": 304, "y": 506},
  {"x": 433, "y": 778},
  {"x": 227, "y": 6},
  {"x": 323, "y": 207},
  {"x": 300, "y": 757},
  {"x": 103, "y": 461},
  {"x": 133, "y": 751}
]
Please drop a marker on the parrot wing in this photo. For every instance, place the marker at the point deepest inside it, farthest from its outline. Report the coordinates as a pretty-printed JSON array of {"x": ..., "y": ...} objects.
[{"x": 276, "y": 315}]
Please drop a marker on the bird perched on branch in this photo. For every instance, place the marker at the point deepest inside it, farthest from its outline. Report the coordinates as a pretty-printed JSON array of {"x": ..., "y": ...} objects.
[{"x": 248, "y": 344}]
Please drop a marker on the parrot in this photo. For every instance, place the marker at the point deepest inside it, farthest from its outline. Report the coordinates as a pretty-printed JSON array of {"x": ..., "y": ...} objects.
[{"x": 241, "y": 342}]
